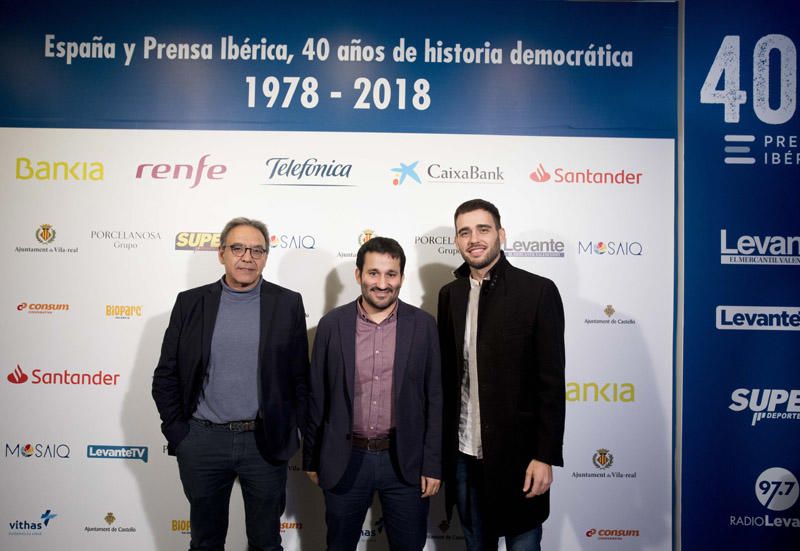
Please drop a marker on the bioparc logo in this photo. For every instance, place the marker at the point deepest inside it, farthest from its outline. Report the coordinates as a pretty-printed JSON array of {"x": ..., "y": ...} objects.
[
  {"x": 610, "y": 317},
  {"x": 38, "y": 451},
  {"x": 773, "y": 404},
  {"x": 31, "y": 527},
  {"x": 603, "y": 460},
  {"x": 777, "y": 490},
  {"x": 45, "y": 234},
  {"x": 65, "y": 377},
  {"x": 193, "y": 174},
  {"x": 758, "y": 318},
  {"x": 614, "y": 534},
  {"x": 287, "y": 171},
  {"x": 197, "y": 241},
  {"x": 775, "y": 250},
  {"x": 182, "y": 526},
  {"x": 41, "y": 307},
  {"x": 587, "y": 176},
  {"x": 601, "y": 392},
  {"x": 98, "y": 451},
  {"x": 610, "y": 248},
  {"x": 123, "y": 311},
  {"x": 547, "y": 248}
]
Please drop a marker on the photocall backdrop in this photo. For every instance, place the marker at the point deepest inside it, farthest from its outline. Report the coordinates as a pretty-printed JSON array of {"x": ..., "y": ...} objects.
[
  {"x": 741, "y": 385},
  {"x": 131, "y": 135}
]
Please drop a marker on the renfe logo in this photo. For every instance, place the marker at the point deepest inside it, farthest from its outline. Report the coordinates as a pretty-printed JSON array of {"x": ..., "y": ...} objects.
[
  {"x": 760, "y": 249},
  {"x": 759, "y": 318},
  {"x": 164, "y": 171}
]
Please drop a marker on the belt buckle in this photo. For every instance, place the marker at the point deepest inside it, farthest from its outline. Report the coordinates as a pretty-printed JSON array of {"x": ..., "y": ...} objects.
[{"x": 373, "y": 445}]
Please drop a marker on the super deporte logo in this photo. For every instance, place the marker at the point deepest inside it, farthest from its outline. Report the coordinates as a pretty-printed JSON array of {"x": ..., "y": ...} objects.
[{"x": 774, "y": 404}]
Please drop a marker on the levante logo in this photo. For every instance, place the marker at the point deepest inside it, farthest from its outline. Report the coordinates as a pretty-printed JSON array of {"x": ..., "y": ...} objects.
[
  {"x": 97, "y": 451},
  {"x": 774, "y": 250}
]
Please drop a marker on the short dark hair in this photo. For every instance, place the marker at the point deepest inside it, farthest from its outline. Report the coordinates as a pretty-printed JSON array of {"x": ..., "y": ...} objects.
[
  {"x": 242, "y": 221},
  {"x": 381, "y": 245},
  {"x": 478, "y": 204}
]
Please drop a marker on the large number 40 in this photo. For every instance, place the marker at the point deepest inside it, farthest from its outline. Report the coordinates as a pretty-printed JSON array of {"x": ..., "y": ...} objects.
[{"x": 726, "y": 68}]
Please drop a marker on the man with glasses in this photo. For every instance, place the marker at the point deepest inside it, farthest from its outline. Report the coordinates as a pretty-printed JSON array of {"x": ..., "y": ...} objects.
[{"x": 231, "y": 389}]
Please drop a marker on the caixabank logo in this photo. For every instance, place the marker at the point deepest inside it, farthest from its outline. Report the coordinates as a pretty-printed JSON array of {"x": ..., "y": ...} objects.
[
  {"x": 585, "y": 177},
  {"x": 35, "y": 526},
  {"x": 38, "y": 450},
  {"x": 776, "y": 489},
  {"x": 773, "y": 405},
  {"x": 765, "y": 250},
  {"x": 64, "y": 377},
  {"x": 448, "y": 173}
]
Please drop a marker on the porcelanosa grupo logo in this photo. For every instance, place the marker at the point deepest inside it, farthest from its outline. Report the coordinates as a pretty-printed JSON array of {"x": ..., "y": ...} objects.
[
  {"x": 193, "y": 174},
  {"x": 311, "y": 171},
  {"x": 124, "y": 239},
  {"x": 777, "y": 490},
  {"x": 772, "y": 250},
  {"x": 405, "y": 171},
  {"x": 586, "y": 176},
  {"x": 770, "y": 404},
  {"x": 64, "y": 377}
]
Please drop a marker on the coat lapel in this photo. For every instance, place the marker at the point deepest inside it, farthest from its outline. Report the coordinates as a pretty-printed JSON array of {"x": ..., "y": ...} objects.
[
  {"x": 458, "y": 307},
  {"x": 267, "y": 312},
  {"x": 210, "y": 309},
  {"x": 402, "y": 348},
  {"x": 347, "y": 334}
]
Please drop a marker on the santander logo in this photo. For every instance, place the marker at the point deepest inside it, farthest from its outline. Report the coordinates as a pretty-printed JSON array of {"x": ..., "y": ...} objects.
[
  {"x": 17, "y": 376},
  {"x": 540, "y": 174}
]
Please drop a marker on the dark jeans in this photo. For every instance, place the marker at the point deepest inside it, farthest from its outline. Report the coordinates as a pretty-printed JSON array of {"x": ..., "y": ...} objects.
[
  {"x": 210, "y": 458},
  {"x": 405, "y": 513},
  {"x": 471, "y": 505}
]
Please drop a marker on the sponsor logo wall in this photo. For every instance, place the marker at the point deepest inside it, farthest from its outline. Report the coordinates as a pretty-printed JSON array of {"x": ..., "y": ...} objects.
[
  {"x": 108, "y": 220},
  {"x": 740, "y": 379}
]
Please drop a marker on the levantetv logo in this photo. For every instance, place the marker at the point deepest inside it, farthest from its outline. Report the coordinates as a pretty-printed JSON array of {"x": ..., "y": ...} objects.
[
  {"x": 775, "y": 404},
  {"x": 760, "y": 249},
  {"x": 117, "y": 452},
  {"x": 758, "y": 318}
]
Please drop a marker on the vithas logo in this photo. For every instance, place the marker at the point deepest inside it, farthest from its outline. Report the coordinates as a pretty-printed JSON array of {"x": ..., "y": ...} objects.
[{"x": 17, "y": 376}]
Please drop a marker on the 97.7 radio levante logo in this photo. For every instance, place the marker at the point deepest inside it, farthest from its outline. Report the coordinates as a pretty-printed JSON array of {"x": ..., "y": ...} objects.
[
  {"x": 773, "y": 97},
  {"x": 777, "y": 490}
]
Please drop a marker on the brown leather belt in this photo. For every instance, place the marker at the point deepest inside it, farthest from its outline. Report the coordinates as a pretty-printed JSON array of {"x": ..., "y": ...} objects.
[
  {"x": 233, "y": 426},
  {"x": 372, "y": 444}
]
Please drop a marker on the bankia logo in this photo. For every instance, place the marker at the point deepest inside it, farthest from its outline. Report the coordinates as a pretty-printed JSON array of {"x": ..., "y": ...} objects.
[
  {"x": 776, "y": 489},
  {"x": 311, "y": 171},
  {"x": 771, "y": 250},
  {"x": 59, "y": 170},
  {"x": 610, "y": 248},
  {"x": 31, "y": 527},
  {"x": 193, "y": 174},
  {"x": 601, "y": 392},
  {"x": 758, "y": 318},
  {"x": 770, "y": 404},
  {"x": 586, "y": 176},
  {"x": 98, "y": 451},
  {"x": 197, "y": 241},
  {"x": 41, "y": 307},
  {"x": 544, "y": 248},
  {"x": 38, "y": 450},
  {"x": 405, "y": 171},
  {"x": 65, "y": 377}
]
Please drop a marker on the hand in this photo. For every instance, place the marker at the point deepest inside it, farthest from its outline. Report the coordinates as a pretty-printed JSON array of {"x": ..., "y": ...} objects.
[
  {"x": 538, "y": 478},
  {"x": 430, "y": 486},
  {"x": 313, "y": 476}
]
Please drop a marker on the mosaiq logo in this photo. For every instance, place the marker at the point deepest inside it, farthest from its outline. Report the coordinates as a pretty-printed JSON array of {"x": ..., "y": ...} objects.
[
  {"x": 586, "y": 176},
  {"x": 287, "y": 241},
  {"x": 311, "y": 171},
  {"x": 770, "y": 404},
  {"x": 193, "y": 174},
  {"x": 772, "y": 250},
  {"x": 38, "y": 450},
  {"x": 610, "y": 248}
]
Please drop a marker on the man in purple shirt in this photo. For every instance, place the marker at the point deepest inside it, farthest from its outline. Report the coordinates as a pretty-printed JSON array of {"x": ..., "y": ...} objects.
[{"x": 375, "y": 408}]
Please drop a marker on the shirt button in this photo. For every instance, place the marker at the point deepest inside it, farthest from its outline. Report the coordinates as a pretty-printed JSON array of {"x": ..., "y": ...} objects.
[
  {"x": 376, "y": 378},
  {"x": 377, "y": 351},
  {"x": 374, "y": 402}
]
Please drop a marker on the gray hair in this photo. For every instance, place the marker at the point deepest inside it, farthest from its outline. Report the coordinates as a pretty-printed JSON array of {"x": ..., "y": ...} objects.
[{"x": 242, "y": 221}]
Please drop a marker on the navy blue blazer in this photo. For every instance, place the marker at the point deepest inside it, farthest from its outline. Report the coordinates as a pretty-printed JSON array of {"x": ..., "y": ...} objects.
[
  {"x": 416, "y": 389},
  {"x": 282, "y": 359}
]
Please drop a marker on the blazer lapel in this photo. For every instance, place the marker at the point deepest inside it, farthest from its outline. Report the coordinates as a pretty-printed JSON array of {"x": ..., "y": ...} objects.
[
  {"x": 458, "y": 309},
  {"x": 267, "y": 312},
  {"x": 347, "y": 334},
  {"x": 402, "y": 347},
  {"x": 210, "y": 309}
]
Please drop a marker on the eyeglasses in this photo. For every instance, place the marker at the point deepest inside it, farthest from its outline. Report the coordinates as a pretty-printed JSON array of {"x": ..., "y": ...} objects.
[{"x": 240, "y": 250}]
